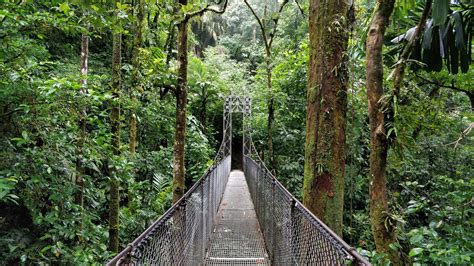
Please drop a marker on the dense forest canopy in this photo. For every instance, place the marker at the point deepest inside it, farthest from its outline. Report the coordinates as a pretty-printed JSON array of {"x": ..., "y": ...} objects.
[{"x": 110, "y": 110}]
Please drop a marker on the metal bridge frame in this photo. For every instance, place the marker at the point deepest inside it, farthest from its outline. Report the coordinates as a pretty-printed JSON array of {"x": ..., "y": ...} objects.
[
  {"x": 291, "y": 232},
  {"x": 237, "y": 104}
]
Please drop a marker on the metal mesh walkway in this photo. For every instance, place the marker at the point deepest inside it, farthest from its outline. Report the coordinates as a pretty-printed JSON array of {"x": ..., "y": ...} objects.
[
  {"x": 232, "y": 218},
  {"x": 236, "y": 237}
]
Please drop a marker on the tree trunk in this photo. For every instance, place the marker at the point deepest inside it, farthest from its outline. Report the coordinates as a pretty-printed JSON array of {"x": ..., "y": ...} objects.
[
  {"x": 80, "y": 171},
  {"x": 271, "y": 112},
  {"x": 114, "y": 198},
  {"x": 181, "y": 104},
  {"x": 136, "y": 80},
  {"x": 268, "y": 38},
  {"x": 383, "y": 231},
  {"x": 323, "y": 188}
]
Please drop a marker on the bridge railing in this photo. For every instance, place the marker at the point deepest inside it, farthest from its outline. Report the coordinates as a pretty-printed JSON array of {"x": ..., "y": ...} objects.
[
  {"x": 293, "y": 235},
  {"x": 181, "y": 235}
]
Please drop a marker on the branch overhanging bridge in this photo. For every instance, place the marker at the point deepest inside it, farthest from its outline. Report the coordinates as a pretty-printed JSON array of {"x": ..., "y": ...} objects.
[{"x": 238, "y": 218}]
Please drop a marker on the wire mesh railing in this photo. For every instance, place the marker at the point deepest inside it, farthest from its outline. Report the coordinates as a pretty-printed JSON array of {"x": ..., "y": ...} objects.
[
  {"x": 181, "y": 235},
  {"x": 293, "y": 235}
]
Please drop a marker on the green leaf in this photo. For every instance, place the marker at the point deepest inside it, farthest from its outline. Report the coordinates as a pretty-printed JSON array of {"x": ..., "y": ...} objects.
[
  {"x": 45, "y": 249},
  {"x": 453, "y": 52},
  {"x": 436, "y": 50},
  {"x": 415, "y": 251},
  {"x": 416, "y": 239},
  {"x": 24, "y": 134},
  {"x": 440, "y": 11},
  {"x": 458, "y": 30},
  {"x": 64, "y": 7},
  {"x": 427, "y": 36}
]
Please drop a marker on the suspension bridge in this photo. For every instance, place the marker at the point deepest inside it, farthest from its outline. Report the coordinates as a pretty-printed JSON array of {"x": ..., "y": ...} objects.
[{"x": 238, "y": 218}]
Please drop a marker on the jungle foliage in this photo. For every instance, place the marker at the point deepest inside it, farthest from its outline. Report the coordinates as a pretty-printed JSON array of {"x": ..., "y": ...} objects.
[{"x": 45, "y": 105}]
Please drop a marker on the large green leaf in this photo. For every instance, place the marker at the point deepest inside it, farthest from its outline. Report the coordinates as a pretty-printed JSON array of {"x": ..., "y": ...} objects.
[
  {"x": 453, "y": 54},
  {"x": 440, "y": 11},
  {"x": 460, "y": 42},
  {"x": 428, "y": 36},
  {"x": 416, "y": 54},
  {"x": 437, "y": 62},
  {"x": 458, "y": 29}
]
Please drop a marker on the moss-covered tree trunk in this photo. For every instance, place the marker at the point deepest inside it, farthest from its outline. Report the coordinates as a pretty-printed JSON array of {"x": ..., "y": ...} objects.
[
  {"x": 326, "y": 111},
  {"x": 136, "y": 79},
  {"x": 182, "y": 95},
  {"x": 114, "y": 196},
  {"x": 383, "y": 230},
  {"x": 181, "y": 104}
]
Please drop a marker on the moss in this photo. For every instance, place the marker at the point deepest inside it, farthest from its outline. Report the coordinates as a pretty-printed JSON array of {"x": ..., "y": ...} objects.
[{"x": 324, "y": 160}]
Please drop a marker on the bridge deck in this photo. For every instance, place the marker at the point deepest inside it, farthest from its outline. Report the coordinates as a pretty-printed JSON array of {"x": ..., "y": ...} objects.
[{"x": 236, "y": 238}]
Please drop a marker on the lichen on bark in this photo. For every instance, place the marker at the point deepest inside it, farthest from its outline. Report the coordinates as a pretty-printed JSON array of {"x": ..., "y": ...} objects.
[{"x": 323, "y": 188}]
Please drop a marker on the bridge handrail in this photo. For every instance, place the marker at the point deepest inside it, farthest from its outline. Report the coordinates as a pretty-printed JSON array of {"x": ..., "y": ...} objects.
[
  {"x": 356, "y": 257},
  {"x": 219, "y": 159}
]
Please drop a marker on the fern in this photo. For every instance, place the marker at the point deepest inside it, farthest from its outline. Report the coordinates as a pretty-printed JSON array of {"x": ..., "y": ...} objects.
[{"x": 160, "y": 181}]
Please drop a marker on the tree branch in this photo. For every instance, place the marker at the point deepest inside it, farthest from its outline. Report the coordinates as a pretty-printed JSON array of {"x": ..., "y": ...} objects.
[
  {"x": 280, "y": 10},
  {"x": 401, "y": 64},
  {"x": 214, "y": 9},
  {"x": 11, "y": 112},
  {"x": 268, "y": 40},
  {"x": 300, "y": 8},
  {"x": 259, "y": 21},
  {"x": 462, "y": 136},
  {"x": 441, "y": 85}
]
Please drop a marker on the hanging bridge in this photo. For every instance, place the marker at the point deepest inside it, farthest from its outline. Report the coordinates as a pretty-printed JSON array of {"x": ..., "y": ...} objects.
[{"x": 238, "y": 218}]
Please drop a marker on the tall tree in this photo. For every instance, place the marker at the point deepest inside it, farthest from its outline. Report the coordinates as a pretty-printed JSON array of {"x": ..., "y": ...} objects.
[
  {"x": 268, "y": 35},
  {"x": 181, "y": 94},
  {"x": 181, "y": 102},
  {"x": 326, "y": 110},
  {"x": 381, "y": 114},
  {"x": 114, "y": 197},
  {"x": 382, "y": 227},
  {"x": 140, "y": 27}
]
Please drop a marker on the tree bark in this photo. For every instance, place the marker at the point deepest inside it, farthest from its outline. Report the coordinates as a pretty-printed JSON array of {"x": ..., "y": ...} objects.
[
  {"x": 181, "y": 105},
  {"x": 80, "y": 171},
  {"x": 136, "y": 79},
  {"x": 114, "y": 197},
  {"x": 181, "y": 97},
  {"x": 382, "y": 229},
  {"x": 323, "y": 188}
]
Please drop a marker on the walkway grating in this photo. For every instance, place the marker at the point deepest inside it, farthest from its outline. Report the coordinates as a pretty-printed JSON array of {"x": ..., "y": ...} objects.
[
  {"x": 236, "y": 238},
  {"x": 214, "y": 223}
]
